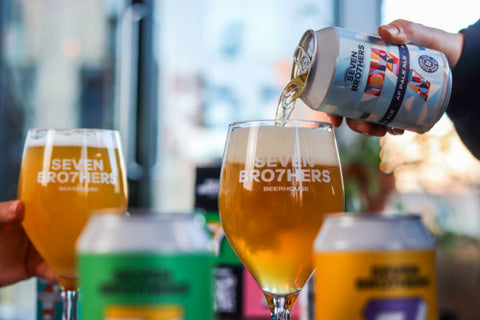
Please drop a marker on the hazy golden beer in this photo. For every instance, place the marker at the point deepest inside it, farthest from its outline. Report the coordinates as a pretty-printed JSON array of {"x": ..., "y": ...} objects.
[
  {"x": 63, "y": 179},
  {"x": 273, "y": 197}
]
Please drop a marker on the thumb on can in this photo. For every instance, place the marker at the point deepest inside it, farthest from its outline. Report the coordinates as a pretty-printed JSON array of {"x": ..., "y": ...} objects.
[{"x": 404, "y": 31}]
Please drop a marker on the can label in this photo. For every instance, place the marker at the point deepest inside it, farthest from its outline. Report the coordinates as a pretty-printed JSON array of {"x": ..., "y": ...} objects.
[
  {"x": 399, "y": 86},
  {"x": 376, "y": 285},
  {"x": 146, "y": 286}
]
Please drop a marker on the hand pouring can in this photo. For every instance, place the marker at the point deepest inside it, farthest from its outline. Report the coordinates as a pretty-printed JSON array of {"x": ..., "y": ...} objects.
[{"x": 361, "y": 77}]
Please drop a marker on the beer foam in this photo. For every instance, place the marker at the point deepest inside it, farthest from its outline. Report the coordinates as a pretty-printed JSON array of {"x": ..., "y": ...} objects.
[
  {"x": 75, "y": 137},
  {"x": 316, "y": 143}
]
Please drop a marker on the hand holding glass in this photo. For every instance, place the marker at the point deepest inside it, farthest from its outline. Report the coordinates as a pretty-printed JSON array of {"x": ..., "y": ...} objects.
[
  {"x": 65, "y": 176},
  {"x": 279, "y": 179}
]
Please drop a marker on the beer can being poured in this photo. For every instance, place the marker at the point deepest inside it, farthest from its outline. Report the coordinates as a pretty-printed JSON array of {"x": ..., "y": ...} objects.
[{"x": 360, "y": 76}]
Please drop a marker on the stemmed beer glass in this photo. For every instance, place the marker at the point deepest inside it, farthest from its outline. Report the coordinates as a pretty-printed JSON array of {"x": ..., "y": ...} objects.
[
  {"x": 278, "y": 180},
  {"x": 65, "y": 176}
]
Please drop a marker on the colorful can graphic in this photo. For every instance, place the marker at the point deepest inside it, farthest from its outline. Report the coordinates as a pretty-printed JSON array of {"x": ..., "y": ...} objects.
[
  {"x": 360, "y": 76},
  {"x": 156, "y": 267},
  {"x": 373, "y": 267}
]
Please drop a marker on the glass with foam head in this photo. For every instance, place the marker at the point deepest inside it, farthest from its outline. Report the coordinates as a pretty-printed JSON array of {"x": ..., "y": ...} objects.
[
  {"x": 279, "y": 179},
  {"x": 65, "y": 176}
]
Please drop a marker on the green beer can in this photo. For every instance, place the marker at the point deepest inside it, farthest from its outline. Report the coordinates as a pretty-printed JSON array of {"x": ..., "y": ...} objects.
[{"x": 155, "y": 267}]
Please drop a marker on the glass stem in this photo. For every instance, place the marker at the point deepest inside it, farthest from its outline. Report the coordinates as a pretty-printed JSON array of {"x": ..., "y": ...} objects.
[
  {"x": 70, "y": 298},
  {"x": 281, "y": 306}
]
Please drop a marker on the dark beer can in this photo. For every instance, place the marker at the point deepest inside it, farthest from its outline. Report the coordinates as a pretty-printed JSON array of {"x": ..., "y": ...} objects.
[
  {"x": 146, "y": 267},
  {"x": 360, "y": 76},
  {"x": 375, "y": 266}
]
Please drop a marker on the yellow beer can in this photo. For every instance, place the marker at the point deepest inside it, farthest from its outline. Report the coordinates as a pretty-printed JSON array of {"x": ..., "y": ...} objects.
[{"x": 375, "y": 266}]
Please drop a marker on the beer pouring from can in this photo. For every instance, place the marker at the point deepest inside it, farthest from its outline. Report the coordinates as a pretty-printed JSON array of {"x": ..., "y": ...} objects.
[{"x": 359, "y": 76}]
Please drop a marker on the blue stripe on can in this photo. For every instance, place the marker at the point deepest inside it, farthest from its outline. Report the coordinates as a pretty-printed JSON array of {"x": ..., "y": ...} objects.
[{"x": 400, "y": 87}]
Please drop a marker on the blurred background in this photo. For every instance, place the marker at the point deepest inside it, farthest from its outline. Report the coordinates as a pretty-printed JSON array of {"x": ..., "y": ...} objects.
[{"x": 171, "y": 75}]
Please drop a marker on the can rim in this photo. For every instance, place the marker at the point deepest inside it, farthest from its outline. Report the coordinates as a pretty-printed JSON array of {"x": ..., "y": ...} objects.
[
  {"x": 302, "y": 44},
  {"x": 323, "y": 65},
  {"x": 310, "y": 36},
  {"x": 359, "y": 232},
  {"x": 447, "y": 93},
  {"x": 103, "y": 231}
]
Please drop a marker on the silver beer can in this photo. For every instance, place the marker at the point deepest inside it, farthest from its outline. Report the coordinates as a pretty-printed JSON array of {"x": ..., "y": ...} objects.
[
  {"x": 373, "y": 266},
  {"x": 146, "y": 267},
  {"x": 360, "y": 76}
]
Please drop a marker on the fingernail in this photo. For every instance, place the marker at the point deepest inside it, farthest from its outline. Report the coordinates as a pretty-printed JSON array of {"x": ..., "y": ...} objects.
[
  {"x": 10, "y": 213},
  {"x": 361, "y": 127},
  {"x": 391, "y": 29},
  {"x": 396, "y": 131},
  {"x": 364, "y": 128},
  {"x": 380, "y": 132},
  {"x": 14, "y": 213}
]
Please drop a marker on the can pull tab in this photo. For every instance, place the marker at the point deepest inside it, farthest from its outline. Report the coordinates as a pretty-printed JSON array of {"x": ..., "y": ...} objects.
[{"x": 301, "y": 62}]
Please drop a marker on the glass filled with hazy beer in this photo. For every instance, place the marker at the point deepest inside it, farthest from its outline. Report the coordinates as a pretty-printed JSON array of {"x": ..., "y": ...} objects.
[
  {"x": 279, "y": 179},
  {"x": 65, "y": 176}
]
